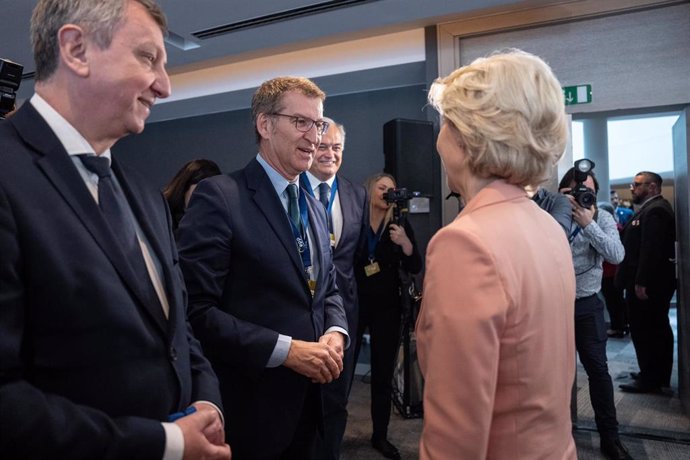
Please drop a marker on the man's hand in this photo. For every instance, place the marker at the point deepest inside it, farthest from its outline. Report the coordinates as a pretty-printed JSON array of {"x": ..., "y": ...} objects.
[
  {"x": 213, "y": 432},
  {"x": 641, "y": 292},
  {"x": 316, "y": 360},
  {"x": 335, "y": 340},
  {"x": 583, "y": 216},
  {"x": 196, "y": 444}
]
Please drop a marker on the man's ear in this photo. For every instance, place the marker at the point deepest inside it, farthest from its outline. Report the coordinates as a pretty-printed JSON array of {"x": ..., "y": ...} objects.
[
  {"x": 72, "y": 44},
  {"x": 264, "y": 125}
]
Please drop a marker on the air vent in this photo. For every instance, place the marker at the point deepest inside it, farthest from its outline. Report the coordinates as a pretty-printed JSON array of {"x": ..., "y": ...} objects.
[{"x": 321, "y": 7}]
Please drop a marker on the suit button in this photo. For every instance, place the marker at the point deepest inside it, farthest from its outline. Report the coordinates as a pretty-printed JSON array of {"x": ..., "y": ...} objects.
[{"x": 173, "y": 354}]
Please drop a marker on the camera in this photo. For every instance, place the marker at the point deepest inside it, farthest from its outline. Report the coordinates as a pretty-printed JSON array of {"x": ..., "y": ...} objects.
[
  {"x": 399, "y": 196},
  {"x": 10, "y": 78},
  {"x": 584, "y": 195}
]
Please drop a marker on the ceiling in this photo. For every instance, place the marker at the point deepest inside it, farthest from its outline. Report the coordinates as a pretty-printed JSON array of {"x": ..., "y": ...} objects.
[{"x": 274, "y": 26}]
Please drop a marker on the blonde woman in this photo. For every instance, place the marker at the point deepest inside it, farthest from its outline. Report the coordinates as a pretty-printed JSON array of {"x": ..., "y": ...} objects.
[
  {"x": 495, "y": 332},
  {"x": 390, "y": 246}
]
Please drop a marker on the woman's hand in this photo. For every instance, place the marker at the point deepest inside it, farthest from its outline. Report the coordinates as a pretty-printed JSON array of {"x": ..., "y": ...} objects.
[{"x": 399, "y": 237}]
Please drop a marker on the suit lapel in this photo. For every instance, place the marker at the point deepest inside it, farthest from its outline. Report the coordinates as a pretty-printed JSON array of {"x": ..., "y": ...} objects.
[
  {"x": 59, "y": 168},
  {"x": 269, "y": 205},
  {"x": 143, "y": 212}
]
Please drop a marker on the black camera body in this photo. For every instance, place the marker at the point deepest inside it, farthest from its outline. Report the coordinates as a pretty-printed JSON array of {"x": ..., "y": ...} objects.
[
  {"x": 399, "y": 196},
  {"x": 584, "y": 195},
  {"x": 10, "y": 78}
]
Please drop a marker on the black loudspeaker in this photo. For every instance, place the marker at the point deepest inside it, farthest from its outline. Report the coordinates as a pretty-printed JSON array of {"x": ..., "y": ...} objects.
[{"x": 408, "y": 146}]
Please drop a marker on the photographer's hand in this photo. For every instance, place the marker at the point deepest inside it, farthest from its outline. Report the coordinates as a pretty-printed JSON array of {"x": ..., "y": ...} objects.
[
  {"x": 399, "y": 237},
  {"x": 583, "y": 216}
]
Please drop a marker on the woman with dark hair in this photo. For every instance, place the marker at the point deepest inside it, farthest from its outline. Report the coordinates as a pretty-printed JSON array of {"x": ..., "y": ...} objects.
[
  {"x": 180, "y": 188},
  {"x": 391, "y": 247}
]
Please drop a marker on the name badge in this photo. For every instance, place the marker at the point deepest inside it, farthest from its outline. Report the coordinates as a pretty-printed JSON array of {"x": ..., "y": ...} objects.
[
  {"x": 332, "y": 237},
  {"x": 372, "y": 269},
  {"x": 312, "y": 287}
]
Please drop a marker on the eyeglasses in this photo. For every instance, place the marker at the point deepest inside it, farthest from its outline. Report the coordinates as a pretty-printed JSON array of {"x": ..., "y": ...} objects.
[
  {"x": 634, "y": 185},
  {"x": 304, "y": 124}
]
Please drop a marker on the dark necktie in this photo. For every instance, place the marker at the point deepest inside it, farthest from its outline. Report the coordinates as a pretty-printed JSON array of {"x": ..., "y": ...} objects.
[
  {"x": 114, "y": 208},
  {"x": 293, "y": 205},
  {"x": 324, "y": 194}
]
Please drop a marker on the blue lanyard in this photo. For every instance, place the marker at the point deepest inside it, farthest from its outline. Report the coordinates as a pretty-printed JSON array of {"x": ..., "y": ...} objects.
[
  {"x": 334, "y": 189},
  {"x": 373, "y": 240},
  {"x": 300, "y": 234}
]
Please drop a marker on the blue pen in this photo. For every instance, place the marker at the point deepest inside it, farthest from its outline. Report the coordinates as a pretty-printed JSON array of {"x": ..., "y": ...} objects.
[{"x": 179, "y": 415}]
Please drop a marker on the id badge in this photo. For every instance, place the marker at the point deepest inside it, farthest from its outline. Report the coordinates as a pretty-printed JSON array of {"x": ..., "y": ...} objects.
[
  {"x": 312, "y": 287},
  {"x": 372, "y": 269},
  {"x": 332, "y": 237}
]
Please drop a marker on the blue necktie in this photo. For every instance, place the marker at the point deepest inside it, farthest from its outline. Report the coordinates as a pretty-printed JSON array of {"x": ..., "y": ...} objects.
[
  {"x": 293, "y": 205},
  {"x": 114, "y": 208},
  {"x": 324, "y": 194}
]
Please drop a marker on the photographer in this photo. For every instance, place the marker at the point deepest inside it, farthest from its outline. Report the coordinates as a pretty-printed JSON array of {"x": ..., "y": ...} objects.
[
  {"x": 593, "y": 239},
  {"x": 391, "y": 246}
]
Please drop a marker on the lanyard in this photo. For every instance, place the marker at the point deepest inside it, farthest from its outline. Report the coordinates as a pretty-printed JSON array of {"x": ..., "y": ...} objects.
[
  {"x": 334, "y": 189},
  {"x": 300, "y": 234},
  {"x": 373, "y": 240}
]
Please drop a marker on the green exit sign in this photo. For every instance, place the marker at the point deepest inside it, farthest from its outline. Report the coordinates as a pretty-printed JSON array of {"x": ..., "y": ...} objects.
[{"x": 581, "y": 94}]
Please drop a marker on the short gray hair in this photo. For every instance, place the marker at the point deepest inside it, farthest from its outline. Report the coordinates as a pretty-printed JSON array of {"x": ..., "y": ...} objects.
[{"x": 99, "y": 18}]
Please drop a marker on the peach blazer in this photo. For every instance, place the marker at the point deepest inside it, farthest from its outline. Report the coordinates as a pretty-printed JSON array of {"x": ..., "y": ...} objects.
[{"x": 495, "y": 335}]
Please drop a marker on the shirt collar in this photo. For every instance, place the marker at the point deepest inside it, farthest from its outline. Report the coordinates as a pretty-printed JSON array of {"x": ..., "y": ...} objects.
[
  {"x": 315, "y": 181},
  {"x": 72, "y": 141},
  {"x": 278, "y": 181}
]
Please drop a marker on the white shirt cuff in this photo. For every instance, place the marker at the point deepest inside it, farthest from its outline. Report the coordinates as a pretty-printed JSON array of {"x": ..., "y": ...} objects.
[
  {"x": 174, "y": 442},
  {"x": 280, "y": 352},
  {"x": 342, "y": 331}
]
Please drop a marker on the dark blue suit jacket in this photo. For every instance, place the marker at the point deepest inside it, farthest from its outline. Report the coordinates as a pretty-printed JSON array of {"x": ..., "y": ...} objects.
[
  {"x": 353, "y": 204},
  {"x": 87, "y": 369},
  {"x": 246, "y": 285}
]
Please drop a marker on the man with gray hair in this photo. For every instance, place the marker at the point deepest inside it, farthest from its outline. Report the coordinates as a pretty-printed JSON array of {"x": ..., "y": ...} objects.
[
  {"x": 346, "y": 208},
  {"x": 97, "y": 359}
]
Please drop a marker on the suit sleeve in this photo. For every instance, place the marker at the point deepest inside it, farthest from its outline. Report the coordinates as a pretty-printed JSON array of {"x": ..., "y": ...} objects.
[
  {"x": 654, "y": 253},
  {"x": 205, "y": 240},
  {"x": 458, "y": 338},
  {"x": 35, "y": 424},
  {"x": 204, "y": 380}
]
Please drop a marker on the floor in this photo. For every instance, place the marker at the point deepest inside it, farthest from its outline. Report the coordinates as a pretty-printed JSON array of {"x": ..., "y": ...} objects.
[{"x": 651, "y": 426}]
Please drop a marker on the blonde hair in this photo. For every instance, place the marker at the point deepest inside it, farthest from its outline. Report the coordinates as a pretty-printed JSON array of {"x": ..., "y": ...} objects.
[
  {"x": 507, "y": 112},
  {"x": 370, "y": 185}
]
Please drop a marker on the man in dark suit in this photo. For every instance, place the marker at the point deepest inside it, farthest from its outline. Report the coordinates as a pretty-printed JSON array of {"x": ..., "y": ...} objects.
[
  {"x": 257, "y": 260},
  {"x": 648, "y": 275},
  {"x": 345, "y": 204},
  {"x": 96, "y": 355}
]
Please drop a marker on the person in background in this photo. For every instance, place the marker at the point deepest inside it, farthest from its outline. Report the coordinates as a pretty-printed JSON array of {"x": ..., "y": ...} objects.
[
  {"x": 495, "y": 334},
  {"x": 258, "y": 264},
  {"x": 97, "y": 359},
  {"x": 345, "y": 205},
  {"x": 179, "y": 190},
  {"x": 613, "y": 296},
  {"x": 648, "y": 276},
  {"x": 390, "y": 247},
  {"x": 593, "y": 240},
  {"x": 621, "y": 213}
]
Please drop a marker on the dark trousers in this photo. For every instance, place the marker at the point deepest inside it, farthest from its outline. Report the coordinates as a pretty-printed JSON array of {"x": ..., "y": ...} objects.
[
  {"x": 615, "y": 304},
  {"x": 335, "y": 396},
  {"x": 652, "y": 335},
  {"x": 590, "y": 340},
  {"x": 383, "y": 318}
]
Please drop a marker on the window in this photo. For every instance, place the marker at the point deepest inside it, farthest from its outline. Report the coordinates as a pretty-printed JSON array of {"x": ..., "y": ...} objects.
[{"x": 640, "y": 143}]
